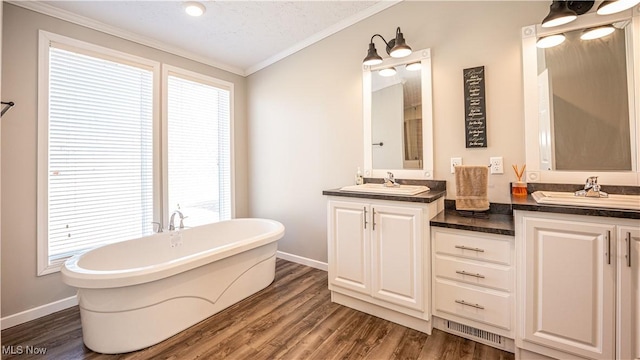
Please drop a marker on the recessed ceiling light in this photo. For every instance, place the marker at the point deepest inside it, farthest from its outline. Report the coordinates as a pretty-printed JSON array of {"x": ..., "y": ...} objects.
[{"x": 194, "y": 8}]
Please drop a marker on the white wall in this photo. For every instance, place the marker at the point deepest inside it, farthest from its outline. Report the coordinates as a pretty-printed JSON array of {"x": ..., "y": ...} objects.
[
  {"x": 21, "y": 288},
  {"x": 305, "y": 116}
]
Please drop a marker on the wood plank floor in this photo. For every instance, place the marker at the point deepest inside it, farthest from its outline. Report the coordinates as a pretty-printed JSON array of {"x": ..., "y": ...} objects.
[{"x": 293, "y": 318}]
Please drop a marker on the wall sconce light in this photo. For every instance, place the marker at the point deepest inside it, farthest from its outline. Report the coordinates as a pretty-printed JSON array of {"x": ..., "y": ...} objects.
[
  {"x": 613, "y": 6},
  {"x": 564, "y": 11},
  {"x": 559, "y": 14},
  {"x": 396, "y": 48}
]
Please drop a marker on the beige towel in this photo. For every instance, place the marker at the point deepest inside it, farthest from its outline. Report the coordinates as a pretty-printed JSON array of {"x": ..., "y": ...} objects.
[{"x": 471, "y": 188}]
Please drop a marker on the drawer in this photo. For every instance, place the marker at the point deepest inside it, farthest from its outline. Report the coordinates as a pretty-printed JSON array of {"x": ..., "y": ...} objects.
[
  {"x": 474, "y": 272},
  {"x": 483, "y": 305},
  {"x": 471, "y": 246}
]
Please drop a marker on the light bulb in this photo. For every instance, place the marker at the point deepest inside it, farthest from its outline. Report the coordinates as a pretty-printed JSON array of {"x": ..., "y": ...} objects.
[
  {"x": 414, "y": 66},
  {"x": 597, "y": 32},
  {"x": 387, "y": 72},
  {"x": 194, "y": 8},
  {"x": 612, "y": 7},
  {"x": 550, "y": 41}
]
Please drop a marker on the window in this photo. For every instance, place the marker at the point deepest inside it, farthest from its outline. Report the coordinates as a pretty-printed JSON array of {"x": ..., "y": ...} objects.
[
  {"x": 198, "y": 123},
  {"x": 99, "y": 148}
]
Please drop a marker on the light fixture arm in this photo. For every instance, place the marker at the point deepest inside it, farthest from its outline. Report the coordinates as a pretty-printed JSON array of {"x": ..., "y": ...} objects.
[
  {"x": 391, "y": 43},
  {"x": 395, "y": 47},
  {"x": 380, "y": 36}
]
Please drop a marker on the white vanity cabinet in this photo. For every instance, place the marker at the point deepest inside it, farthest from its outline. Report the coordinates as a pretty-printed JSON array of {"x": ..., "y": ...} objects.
[
  {"x": 474, "y": 280},
  {"x": 576, "y": 295},
  {"x": 379, "y": 257}
]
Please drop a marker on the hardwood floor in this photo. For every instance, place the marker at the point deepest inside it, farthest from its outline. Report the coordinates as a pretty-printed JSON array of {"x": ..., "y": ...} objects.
[{"x": 293, "y": 318}]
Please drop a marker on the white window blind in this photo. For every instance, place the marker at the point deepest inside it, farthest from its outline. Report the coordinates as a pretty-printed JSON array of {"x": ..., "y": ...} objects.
[
  {"x": 100, "y": 174},
  {"x": 199, "y": 151}
]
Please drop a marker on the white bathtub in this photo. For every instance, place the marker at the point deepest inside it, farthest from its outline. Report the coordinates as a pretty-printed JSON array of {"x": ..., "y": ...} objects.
[{"x": 136, "y": 293}]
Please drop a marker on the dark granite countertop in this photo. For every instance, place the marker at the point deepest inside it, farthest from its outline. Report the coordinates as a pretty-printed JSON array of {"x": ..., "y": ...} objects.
[
  {"x": 500, "y": 217},
  {"x": 425, "y": 197},
  {"x": 529, "y": 204},
  {"x": 438, "y": 190},
  {"x": 494, "y": 224}
]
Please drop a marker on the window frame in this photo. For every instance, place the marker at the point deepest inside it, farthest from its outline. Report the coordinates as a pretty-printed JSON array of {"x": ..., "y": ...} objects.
[
  {"x": 159, "y": 120},
  {"x": 170, "y": 70}
]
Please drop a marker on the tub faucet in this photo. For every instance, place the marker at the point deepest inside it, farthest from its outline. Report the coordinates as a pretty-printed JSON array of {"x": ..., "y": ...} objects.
[
  {"x": 171, "y": 223},
  {"x": 591, "y": 188}
]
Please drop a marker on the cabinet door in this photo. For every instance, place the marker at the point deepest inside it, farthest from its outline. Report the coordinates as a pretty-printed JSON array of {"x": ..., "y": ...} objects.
[
  {"x": 628, "y": 309},
  {"x": 397, "y": 255},
  {"x": 349, "y": 252},
  {"x": 570, "y": 286}
]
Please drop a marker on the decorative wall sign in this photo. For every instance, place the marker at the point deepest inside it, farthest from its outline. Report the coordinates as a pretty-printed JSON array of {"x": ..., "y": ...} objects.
[{"x": 475, "y": 118}]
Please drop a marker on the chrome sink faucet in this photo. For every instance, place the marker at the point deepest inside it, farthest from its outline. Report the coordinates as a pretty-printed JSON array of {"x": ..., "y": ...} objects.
[
  {"x": 591, "y": 188},
  {"x": 171, "y": 223},
  {"x": 390, "y": 180}
]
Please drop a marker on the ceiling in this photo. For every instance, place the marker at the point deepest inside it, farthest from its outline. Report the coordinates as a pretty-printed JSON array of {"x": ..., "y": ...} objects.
[{"x": 238, "y": 36}]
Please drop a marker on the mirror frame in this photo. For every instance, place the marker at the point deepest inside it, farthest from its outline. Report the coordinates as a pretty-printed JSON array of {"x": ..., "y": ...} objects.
[
  {"x": 426, "y": 172},
  {"x": 530, "y": 86}
]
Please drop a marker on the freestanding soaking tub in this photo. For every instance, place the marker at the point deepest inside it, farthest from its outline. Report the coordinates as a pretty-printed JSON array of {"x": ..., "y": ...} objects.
[{"x": 136, "y": 293}]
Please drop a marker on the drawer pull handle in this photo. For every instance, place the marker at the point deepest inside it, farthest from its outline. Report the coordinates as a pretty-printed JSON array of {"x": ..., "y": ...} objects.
[
  {"x": 608, "y": 253},
  {"x": 628, "y": 256},
  {"x": 462, "y": 302},
  {"x": 373, "y": 219},
  {"x": 470, "y": 274},
  {"x": 469, "y": 248},
  {"x": 364, "y": 217}
]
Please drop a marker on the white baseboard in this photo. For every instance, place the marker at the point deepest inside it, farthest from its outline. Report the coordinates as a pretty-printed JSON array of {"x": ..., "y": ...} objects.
[
  {"x": 37, "y": 312},
  {"x": 44, "y": 310},
  {"x": 303, "y": 260}
]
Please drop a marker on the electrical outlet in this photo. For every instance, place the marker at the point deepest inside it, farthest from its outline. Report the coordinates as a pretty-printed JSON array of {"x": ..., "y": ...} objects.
[
  {"x": 496, "y": 165},
  {"x": 455, "y": 161}
]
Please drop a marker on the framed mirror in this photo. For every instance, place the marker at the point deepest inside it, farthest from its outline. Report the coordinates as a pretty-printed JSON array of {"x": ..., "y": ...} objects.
[
  {"x": 582, "y": 102},
  {"x": 397, "y": 109}
]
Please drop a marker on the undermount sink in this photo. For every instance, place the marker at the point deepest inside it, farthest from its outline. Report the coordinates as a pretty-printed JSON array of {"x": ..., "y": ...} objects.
[
  {"x": 631, "y": 202},
  {"x": 381, "y": 189}
]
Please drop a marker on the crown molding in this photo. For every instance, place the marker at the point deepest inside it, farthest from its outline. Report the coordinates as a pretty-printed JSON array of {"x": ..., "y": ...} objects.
[
  {"x": 65, "y": 15},
  {"x": 382, "y": 5},
  {"x": 46, "y": 9}
]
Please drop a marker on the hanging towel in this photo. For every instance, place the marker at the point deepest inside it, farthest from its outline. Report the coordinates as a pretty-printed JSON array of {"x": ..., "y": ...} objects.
[{"x": 471, "y": 188}]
